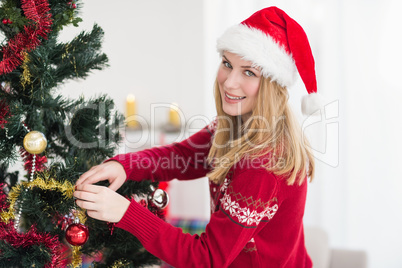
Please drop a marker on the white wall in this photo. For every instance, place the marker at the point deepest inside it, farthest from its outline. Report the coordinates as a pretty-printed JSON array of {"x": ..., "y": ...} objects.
[{"x": 155, "y": 50}]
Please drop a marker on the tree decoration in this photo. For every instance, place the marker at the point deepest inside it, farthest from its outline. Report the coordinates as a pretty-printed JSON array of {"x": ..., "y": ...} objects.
[
  {"x": 3, "y": 197},
  {"x": 66, "y": 188},
  {"x": 76, "y": 257},
  {"x": 37, "y": 12},
  {"x": 4, "y": 113},
  {"x": 26, "y": 74},
  {"x": 77, "y": 234},
  {"x": 25, "y": 242},
  {"x": 159, "y": 198},
  {"x": 28, "y": 159},
  {"x": 35, "y": 142}
]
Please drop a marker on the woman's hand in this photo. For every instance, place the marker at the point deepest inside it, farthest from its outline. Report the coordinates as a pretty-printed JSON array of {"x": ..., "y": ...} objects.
[
  {"x": 112, "y": 171},
  {"x": 101, "y": 202}
]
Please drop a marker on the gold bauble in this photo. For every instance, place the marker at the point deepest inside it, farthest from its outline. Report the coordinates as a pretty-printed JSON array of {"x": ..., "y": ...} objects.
[{"x": 35, "y": 142}]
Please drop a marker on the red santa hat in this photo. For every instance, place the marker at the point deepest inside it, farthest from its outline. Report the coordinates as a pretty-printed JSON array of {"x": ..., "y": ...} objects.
[{"x": 278, "y": 45}]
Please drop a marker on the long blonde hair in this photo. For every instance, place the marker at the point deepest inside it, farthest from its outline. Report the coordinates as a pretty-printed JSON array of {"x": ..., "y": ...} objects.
[{"x": 278, "y": 137}]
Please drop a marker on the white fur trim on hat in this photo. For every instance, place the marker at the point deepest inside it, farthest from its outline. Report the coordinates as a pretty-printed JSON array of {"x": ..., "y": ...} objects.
[
  {"x": 262, "y": 50},
  {"x": 311, "y": 103}
]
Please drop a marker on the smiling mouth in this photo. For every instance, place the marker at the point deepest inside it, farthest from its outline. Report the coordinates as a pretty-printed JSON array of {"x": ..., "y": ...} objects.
[{"x": 234, "y": 98}]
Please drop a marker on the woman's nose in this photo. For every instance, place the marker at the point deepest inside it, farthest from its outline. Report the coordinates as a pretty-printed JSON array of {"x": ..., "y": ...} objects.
[{"x": 232, "y": 80}]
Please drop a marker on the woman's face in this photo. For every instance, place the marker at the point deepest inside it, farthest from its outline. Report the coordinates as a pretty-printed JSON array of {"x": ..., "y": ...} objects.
[{"x": 238, "y": 85}]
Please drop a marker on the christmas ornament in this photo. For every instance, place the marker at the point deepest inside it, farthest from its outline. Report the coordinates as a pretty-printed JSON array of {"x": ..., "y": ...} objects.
[
  {"x": 159, "y": 198},
  {"x": 35, "y": 142},
  {"x": 37, "y": 12},
  {"x": 77, "y": 234},
  {"x": 4, "y": 21}
]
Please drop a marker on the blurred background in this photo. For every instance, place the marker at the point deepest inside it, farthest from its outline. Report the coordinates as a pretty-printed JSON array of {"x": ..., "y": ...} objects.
[{"x": 164, "y": 52}]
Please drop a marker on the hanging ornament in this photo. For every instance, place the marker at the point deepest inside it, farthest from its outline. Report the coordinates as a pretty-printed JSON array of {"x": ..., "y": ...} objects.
[
  {"x": 77, "y": 234},
  {"x": 35, "y": 142},
  {"x": 4, "y": 21},
  {"x": 159, "y": 198}
]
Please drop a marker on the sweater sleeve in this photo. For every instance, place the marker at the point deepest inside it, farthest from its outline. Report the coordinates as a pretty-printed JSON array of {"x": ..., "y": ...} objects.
[
  {"x": 184, "y": 160},
  {"x": 247, "y": 206}
]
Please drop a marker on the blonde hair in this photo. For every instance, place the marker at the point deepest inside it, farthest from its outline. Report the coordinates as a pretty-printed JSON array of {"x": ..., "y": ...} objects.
[{"x": 278, "y": 135}]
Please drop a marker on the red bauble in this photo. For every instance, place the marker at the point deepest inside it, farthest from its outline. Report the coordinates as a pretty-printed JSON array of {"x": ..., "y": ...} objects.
[
  {"x": 4, "y": 21},
  {"x": 77, "y": 234},
  {"x": 74, "y": 6},
  {"x": 9, "y": 21}
]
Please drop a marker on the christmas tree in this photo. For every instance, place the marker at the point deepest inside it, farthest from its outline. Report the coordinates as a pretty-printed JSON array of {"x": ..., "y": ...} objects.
[{"x": 55, "y": 139}]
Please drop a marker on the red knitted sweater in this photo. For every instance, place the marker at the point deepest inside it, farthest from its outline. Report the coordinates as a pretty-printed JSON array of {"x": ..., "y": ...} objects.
[{"x": 256, "y": 218}]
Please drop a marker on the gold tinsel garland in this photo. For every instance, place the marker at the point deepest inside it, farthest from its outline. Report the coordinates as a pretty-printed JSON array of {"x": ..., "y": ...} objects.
[
  {"x": 26, "y": 74},
  {"x": 120, "y": 263},
  {"x": 76, "y": 259},
  {"x": 66, "y": 188}
]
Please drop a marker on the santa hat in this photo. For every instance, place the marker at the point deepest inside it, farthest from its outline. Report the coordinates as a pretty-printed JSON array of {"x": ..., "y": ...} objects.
[{"x": 276, "y": 43}]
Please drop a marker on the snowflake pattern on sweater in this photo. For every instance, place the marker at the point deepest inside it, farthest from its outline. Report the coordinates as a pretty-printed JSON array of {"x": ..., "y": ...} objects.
[{"x": 246, "y": 215}]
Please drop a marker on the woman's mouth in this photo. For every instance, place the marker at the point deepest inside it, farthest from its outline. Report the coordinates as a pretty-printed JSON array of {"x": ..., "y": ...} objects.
[{"x": 233, "y": 99}]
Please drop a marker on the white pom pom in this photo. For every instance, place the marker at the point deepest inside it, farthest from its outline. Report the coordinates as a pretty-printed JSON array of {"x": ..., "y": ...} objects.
[{"x": 311, "y": 103}]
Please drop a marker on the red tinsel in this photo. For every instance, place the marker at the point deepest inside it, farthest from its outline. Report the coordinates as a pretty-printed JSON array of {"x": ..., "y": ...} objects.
[
  {"x": 32, "y": 238},
  {"x": 4, "y": 113},
  {"x": 3, "y": 198},
  {"x": 38, "y": 12},
  {"x": 39, "y": 162}
]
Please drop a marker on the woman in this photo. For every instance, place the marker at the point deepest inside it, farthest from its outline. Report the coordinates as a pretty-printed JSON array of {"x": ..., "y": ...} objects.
[{"x": 253, "y": 154}]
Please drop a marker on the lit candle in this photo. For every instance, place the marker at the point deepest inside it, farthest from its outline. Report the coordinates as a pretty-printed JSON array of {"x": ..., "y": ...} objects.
[
  {"x": 131, "y": 111},
  {"x": 174, "y": 117}
]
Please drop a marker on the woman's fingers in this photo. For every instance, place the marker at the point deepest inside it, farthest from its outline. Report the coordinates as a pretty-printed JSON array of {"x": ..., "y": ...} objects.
[
  {"x": 88, "y": 196},
  {"x": 115, "y": 185},
  {"x": 86, "y": 204},
  {"x": 95, "y": 177},
  {"x": 82, "y": 194},
  {"x": 101, "y": 202},
  {"x": 90, "y": 188},
  {"x": 86, "y": 175},
  {"x": 111, "y": 171}
]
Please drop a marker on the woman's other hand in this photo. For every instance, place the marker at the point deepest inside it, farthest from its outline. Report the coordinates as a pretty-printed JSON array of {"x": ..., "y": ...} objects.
[
  {"x": 101, "y": 203},
  {"x": 112, "y": 171}
]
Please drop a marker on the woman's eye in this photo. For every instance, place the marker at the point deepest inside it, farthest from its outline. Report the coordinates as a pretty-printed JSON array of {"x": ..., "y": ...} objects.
[
  {"x": 227, "y": 64},
  {"x": 249, "y": 73}
]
